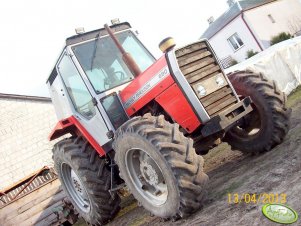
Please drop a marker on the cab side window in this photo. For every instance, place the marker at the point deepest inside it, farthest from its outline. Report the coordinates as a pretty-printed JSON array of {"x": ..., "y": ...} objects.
[{"x": 77, "y": 90}]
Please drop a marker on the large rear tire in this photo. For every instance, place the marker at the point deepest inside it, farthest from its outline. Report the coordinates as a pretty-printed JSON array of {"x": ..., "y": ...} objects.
[
  {"x": 266, "y": 126},
  {"x": 160, "y": 166},
  {"x": 85, "y": 177}
]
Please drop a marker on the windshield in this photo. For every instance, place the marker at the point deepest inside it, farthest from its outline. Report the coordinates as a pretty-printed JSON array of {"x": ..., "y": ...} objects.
[{"x": 103, "y": 64}]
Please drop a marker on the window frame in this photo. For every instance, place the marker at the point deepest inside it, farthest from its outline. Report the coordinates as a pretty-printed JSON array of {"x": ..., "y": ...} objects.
[
  {"x": 66, "y": 54},
  {"x": 114, "y": 95},
  {"x": 235, "y": 40},
  {"x": 101, "y": 37}
]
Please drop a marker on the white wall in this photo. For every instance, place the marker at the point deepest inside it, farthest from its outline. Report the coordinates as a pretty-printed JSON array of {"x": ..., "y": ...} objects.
[
  {"x": 223, "y": 48},
  {"x": 24, "y": 129},
  {"x": 281, "y": 63},
  {"x": 282, "y": 11}
]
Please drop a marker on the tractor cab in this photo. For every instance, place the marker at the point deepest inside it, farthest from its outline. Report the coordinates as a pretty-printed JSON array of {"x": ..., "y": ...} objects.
[{"x": 88, "y": 76}]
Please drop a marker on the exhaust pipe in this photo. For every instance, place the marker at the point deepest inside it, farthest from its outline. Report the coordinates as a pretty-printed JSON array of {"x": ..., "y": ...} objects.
[{"x": 126, "y": 57}]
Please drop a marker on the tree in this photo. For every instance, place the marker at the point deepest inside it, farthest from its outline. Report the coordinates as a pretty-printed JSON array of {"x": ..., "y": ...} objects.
[
  {"x": 233, "y": 62},
  {"x": 251, "y": 53}
]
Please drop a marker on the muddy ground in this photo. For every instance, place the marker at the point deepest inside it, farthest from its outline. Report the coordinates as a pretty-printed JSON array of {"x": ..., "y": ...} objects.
[{"x": 277, "y": 172}]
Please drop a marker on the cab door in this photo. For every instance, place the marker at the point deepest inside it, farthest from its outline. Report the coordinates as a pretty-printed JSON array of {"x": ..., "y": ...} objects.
[{"x": 84, "y": 106}]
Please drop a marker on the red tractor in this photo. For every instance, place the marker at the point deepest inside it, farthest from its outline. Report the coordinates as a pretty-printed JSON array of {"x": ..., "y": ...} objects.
[{"x": 143, "y": 122}]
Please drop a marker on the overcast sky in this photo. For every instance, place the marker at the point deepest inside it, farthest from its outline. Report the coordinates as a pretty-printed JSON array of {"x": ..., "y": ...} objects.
[{"x": 33, "y": 31}]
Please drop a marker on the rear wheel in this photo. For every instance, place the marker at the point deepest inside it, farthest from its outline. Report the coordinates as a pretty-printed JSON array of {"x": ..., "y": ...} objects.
[
  {"x": 86, "y": 179},
  {"x": 267, "y": 125},
  {"x": 160, "y": 166}
]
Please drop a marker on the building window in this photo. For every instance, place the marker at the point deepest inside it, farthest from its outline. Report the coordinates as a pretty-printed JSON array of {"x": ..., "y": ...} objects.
[
  {"x": 271, "y": 18},
  {"x": 235, "y": 41}
]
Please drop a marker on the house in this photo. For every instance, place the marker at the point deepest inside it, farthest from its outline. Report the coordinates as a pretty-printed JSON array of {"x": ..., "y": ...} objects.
[
  {"x": 250, "y": 25},
  {"x": 25, "y": 123}
]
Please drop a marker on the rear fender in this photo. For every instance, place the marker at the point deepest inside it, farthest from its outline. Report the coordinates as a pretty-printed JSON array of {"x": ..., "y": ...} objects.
[{"x": 72, "y": 126}]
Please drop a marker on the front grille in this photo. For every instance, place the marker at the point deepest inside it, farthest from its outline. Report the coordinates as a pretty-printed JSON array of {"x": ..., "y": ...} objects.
[{"x": 199, "y": 65}]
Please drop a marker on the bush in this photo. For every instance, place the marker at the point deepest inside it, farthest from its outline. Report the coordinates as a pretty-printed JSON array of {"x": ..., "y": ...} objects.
[
  {"x": 280, "y": 37},
  {"x": 251, "y": 53},
  {"x": 233, "y": 62}
]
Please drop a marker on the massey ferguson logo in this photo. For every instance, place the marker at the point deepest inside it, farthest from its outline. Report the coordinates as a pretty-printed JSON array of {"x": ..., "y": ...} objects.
[{"x": 147, "y": 87}]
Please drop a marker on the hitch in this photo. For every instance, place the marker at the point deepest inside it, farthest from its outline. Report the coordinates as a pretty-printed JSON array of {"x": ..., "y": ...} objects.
[{"x": 117, "y": 187}]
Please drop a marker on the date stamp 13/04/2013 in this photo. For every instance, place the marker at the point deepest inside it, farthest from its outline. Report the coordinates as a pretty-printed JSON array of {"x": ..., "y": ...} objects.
[{"x": 262, "y": 198}]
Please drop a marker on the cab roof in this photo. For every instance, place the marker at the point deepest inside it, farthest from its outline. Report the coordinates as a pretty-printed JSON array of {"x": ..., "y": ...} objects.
[
  {"x": 96, "y": 33},
  {"x": 87, "y": 36}
]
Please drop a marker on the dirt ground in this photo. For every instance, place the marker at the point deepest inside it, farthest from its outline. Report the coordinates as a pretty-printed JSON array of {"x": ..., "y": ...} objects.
[{"x": 277, "y": 172}]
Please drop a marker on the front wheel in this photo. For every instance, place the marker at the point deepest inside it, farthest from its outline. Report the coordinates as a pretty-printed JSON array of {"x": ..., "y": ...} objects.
[
  {"x": 268, "y": 123},
  {"x": 160, "y": 166}
]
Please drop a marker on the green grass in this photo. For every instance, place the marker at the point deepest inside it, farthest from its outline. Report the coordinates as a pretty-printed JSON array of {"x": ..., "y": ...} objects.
[
  {"x": 294, "y": 97},
  {"x": 127, "y": 209},
  {"x": 215, "y": 151}
]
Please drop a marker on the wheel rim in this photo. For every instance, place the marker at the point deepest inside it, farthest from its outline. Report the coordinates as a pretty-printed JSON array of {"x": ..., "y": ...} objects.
[
  {"x": 75, "y": 188},
  {"x": 146, "y": 176},
  {"x": 251, "y": 126}
]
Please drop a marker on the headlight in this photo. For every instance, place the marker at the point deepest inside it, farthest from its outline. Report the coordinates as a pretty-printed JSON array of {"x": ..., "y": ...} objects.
[
  {"x": 201, "y": 90},
  {"x": 220, "y": 81}
]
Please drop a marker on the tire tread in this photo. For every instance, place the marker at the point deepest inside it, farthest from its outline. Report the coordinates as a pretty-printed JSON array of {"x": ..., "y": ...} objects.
[
  {"x": 91, "y": 169},
  {"x": 178, "y": 153},
  {"x": 276, "y": 104}
]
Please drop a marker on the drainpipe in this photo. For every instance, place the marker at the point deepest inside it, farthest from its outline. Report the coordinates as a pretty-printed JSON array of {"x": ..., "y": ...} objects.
[{"x": 256, "y": 40}]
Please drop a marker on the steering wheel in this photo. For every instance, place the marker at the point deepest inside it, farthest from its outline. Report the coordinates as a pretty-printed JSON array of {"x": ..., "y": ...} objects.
[
  {"x": 122, "y": 75},
  {"x": 117, "y": 79},
  {"x": 106, "y": 84}
]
